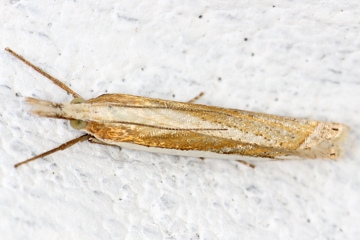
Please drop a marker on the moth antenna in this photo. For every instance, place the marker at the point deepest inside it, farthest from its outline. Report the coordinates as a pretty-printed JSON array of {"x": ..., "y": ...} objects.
[
  {"x": 42, "y": 72},
  {"x": 60, "y": 148}
]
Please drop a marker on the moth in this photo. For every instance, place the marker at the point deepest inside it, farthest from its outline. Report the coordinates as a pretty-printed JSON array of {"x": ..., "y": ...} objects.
[{"x": 188, "y": 129}]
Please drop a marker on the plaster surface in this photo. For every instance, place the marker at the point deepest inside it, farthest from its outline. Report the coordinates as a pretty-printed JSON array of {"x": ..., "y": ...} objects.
[{"x": 292, "y": 58}]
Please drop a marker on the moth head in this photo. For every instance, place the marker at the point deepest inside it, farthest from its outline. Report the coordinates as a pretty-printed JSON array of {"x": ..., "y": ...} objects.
[{"x": 77, "y": 124}]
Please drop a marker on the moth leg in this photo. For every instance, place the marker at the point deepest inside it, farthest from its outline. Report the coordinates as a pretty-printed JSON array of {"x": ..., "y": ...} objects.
[
  {"x": 97, "y": 141},
  {"x": 246, "y": 163},
  {"x": 60, "y": 148},
  {"x": 197, "y": 97}
]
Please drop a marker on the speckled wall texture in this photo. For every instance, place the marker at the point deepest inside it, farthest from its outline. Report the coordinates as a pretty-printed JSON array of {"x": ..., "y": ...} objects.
[{"x": 292, "y": 58}]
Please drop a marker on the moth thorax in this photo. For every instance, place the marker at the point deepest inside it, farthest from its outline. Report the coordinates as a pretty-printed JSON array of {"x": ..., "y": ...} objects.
[{"x": 77, "y": 124}]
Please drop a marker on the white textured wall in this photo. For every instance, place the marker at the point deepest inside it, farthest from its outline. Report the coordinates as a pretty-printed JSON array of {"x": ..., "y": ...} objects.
[{"x": 293, "y": 58}]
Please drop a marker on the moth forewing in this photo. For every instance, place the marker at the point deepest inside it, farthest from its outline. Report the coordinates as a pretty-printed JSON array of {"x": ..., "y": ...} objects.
[
  {"x": 197, "y": 130},
  {"x": 190, "y": 129}
]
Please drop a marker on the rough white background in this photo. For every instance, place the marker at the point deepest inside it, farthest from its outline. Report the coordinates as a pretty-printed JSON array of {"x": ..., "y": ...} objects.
[{"x": 294, "y": 58}]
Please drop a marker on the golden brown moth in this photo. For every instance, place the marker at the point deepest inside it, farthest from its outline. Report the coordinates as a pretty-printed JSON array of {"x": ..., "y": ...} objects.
[{"x": 188, "y": 129}]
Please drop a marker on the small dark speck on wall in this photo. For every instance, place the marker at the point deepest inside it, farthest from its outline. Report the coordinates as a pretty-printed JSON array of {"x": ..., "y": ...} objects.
[
  {"x": 273, "y": 6},
  {"x": 200, "y": 16},
  {"x": 219, "y": 79},
  {"x": 245, "y": 39},
  {"x": 253, "y": 54}
]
